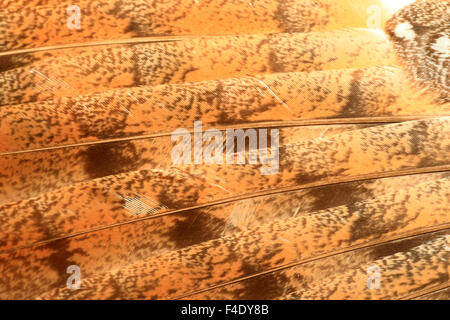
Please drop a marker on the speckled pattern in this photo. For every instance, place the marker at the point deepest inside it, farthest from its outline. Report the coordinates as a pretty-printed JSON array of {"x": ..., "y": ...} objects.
[
  {"x": 106, "y": 67},
  {"x": 425, "y": 264},
  {"x": 371, "y": 150},
  {"x": 301, "y": 96},
  {"x": 69, "y": 216},
  {"x": 87, "y": 176},
  {"x": 193, "y": 227},
  {"x": 45, "y": 25},
  {"x": 17, "y": 4},
  {"x": 420, "y": 33},
  {"x": 275, "y": 244}
]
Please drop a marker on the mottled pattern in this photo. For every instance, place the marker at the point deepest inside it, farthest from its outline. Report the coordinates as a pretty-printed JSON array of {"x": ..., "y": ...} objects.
[
  {"x": 17, "y": 4},
  {"x": 36, "y": 26},
  {"x": 425, "y": 264},
  {"x": 413, "y": 144},
  {"x": 99, "y": 203},
  {"x": 278, "y": 244},
  {"x": 285, "y": 283},
  {"x": 102, "y": 250},
  {"x": 87, "y": 177},
  {"x": 106, "y": 67},
  {"x": 332, "y": 95},
  {"x": 443, "y": 294},
  {"x": 420, "y": 33}
]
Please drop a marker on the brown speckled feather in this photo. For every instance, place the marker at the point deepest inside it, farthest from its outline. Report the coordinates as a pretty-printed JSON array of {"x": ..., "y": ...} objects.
[
  {"x": 88, "y": 178},
  {"x": 358, "y": 95},
  {"x": 276, "y": 244},
  {"x": 44, "y": 22}
]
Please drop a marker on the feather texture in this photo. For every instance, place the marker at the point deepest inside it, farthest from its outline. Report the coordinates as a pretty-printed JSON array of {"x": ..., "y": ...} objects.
[{"x": 88, "y": 178}]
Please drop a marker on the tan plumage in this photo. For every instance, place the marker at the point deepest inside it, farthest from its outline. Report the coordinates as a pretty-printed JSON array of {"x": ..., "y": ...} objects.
[{"x": 87, "y": 177}]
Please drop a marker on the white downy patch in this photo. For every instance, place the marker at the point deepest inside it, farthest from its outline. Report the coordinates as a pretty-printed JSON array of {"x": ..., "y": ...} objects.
[
  {"x": 442, "y": 45},
  {"x": 405, "y": 31}
]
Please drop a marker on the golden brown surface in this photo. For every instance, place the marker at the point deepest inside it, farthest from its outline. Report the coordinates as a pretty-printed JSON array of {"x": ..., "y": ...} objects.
[
  {"x": 38, "y": 23},
  {"x": 364, "y": 154},
  {"x": 101, "y": 68}
]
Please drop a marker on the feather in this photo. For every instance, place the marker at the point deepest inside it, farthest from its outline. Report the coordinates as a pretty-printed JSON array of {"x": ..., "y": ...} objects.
[
  {"x": 359, "y": 140},
  {"x": 358, "y": 152},
  {"x": 420, "y": 33},
  {"x": 322, "y": 97},
  {"x": 54, "y": 22},
  {"x": 267, "y": 247},
  {"x": 102, "y": 68}
]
